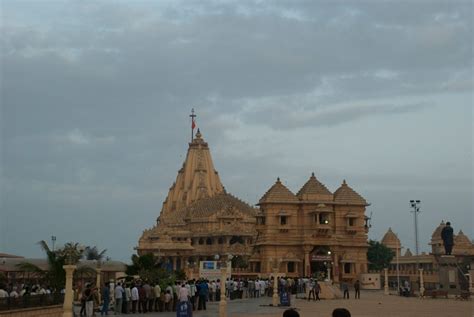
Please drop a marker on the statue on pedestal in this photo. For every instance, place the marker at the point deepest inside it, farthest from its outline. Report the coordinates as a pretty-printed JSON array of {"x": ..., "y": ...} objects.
[{"x": 447, "y": 236}]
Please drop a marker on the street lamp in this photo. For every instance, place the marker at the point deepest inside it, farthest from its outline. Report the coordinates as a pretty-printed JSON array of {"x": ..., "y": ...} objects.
[
  {"x": 53, "y": 239},
  {"x": 415, "y": 204}
]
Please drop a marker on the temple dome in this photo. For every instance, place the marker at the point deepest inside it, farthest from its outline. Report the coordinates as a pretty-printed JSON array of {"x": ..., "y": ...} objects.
[
  {"x": 313, "y": 189},
  {"x": 345, "y": 194},
  {"x": 390, "y": 240},
  {"x": 278, "y": 193},
  {"x": 408, "y": 253},
  {"x": 436, "y": 236}
]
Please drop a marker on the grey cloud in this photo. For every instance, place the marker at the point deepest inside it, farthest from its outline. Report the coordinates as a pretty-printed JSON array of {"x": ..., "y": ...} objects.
[{"x": 95, "y": 97}]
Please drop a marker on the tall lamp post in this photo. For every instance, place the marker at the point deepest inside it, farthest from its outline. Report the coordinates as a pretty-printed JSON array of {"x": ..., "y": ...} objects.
[
  {"x": 415, "y": 204},
  {"x": 53, "y": 240}
]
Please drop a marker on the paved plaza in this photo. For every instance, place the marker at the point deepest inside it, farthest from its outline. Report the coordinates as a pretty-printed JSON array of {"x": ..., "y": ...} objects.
[{"x": 371, "y": 304}]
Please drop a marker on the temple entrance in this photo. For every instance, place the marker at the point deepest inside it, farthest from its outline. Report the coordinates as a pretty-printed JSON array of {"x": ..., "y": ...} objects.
[{"x": 320, "y": 262}]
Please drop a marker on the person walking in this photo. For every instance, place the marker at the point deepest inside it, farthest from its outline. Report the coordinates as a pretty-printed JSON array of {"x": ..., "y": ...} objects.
[{"x": 357, "y": 289}]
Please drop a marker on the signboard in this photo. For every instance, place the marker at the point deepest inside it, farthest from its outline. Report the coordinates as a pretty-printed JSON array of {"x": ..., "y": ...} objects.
[
  {"x": 209, "y": 270},
  {"x": 321, "y": 258},
  {"x": 184, "y": 309},
  {"x": 284, "y": 299}
]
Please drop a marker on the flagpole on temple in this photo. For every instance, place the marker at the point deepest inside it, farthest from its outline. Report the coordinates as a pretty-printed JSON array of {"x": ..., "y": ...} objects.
[{"x": 193, "y": 123}]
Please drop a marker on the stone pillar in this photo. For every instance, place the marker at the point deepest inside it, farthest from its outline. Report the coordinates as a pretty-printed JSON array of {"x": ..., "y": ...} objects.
[
  {"x": 174, "y": 263},
  {"x": 385, "y": 287},
  {"x": 68, "y": 296},
  {"x": 336, "y": 268},
  {"x": 275, "y": 287},
  {"x": 307, "y": 263},
  {"x": 329, "y": 273},
  {"x": 97, "y": 283},
  {"x": 471, "y": 281},
  {"x": 422, "y": 284},
  {"x": 223, "y": 301}
]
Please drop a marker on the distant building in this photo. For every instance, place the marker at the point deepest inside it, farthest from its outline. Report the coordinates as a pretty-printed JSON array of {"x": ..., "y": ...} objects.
[{"x": 408, "y": 263}]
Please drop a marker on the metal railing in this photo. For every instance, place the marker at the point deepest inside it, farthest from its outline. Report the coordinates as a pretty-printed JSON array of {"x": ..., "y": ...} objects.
[{"x": 31, "y": 301}]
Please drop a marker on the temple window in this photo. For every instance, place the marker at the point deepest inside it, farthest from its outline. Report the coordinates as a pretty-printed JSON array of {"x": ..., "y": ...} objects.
[
  {"x": 283, "y": 220},
  {"x": 261, "y": 220},
  {"x": 351, "y": 222},
  {"x": 209, "y": 241},
  {"x": 236, "y": 239},
  {"x": 201, "y": 241},
  {"x": 347, "y": 268},
  {"x": 258, "y": 267},
  {"x": 192, "y": 241},
  {"x": 291, "y": 267},
  {"x": 324, "y": 218}
]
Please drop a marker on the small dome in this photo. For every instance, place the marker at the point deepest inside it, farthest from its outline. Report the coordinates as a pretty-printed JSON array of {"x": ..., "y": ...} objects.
[
  {"x": 437, "y": 233},
  {"x": 408, "y": 253},
  {"x": 391, "y": 240}
]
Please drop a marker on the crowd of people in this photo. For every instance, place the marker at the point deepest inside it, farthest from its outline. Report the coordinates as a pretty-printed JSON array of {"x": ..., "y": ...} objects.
[
  {"x": 142, "y": 296},
  {"x": 26, "y": 295}
]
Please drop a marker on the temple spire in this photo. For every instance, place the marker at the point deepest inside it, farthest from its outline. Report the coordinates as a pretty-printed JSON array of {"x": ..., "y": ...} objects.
[
  {"x": 197, "y": 178},
  {"x": 193, "y": 123}
]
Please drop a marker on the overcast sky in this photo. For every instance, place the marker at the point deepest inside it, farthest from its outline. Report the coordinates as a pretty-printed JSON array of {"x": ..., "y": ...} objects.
[{"x": 95, "y": 98}]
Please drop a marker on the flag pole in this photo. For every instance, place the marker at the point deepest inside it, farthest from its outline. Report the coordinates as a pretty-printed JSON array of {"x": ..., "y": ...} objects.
[{"x": 193, "y": 124}]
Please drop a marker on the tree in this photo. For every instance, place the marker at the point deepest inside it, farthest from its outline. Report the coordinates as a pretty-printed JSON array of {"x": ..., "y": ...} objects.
[
  {"x": 55, "y": 275},
  {"x": 150, "y": 268},
  {"x": 379, "y": 256},
  {"x": 92, "y": 253}
]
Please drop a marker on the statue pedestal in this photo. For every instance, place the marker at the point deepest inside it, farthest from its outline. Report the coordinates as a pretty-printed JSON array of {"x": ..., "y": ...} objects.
[{"x": 449, "y": 274}]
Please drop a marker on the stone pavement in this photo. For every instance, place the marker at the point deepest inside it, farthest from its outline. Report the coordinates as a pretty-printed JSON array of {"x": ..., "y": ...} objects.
[{"x": 371, "y": 304}]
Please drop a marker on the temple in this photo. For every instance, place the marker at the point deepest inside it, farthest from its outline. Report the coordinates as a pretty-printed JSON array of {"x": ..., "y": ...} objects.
[
  {"x": 199, "y": 219},
  {"x": 314, "y": 232}
]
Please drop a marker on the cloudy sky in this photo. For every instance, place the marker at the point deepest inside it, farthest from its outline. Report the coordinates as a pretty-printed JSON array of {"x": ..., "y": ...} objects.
[{"x": 95, "y": 98}]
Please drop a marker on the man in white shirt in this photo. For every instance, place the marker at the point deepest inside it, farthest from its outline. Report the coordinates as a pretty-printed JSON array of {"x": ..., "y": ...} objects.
[
  {"x": 257, "y": 288},
  {"x": 135, "y": 298},
  {"x": 212, "y": 291},
  {"x": 3, "y": 293},
  {"x": 157, "y": 291},
  {"x": 14, "y": 293},
  {"x": 183, "y": 294}
]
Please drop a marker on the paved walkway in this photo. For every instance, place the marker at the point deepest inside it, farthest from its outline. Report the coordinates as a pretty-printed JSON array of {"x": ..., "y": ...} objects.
[{"x": 372, "y": 304}]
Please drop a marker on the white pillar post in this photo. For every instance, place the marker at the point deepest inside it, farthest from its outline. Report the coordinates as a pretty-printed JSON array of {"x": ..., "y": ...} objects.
[
  {"x": 68, "y": 296},
  {"x": 97, "y": 283},
  {"x": 275, "y": 287},
  {"x": 385, "y": 288},
  {"x": 422, "y": 284},
  {"x": 223, "y": 301}
]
